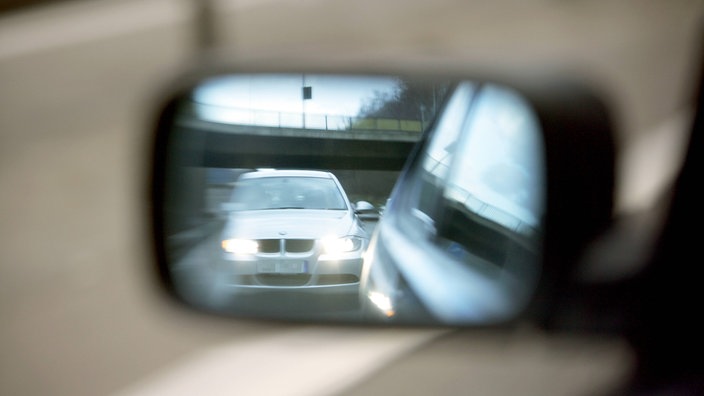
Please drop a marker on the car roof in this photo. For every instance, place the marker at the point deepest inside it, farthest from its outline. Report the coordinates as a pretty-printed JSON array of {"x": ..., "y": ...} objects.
[{"x": 286, "y": 173}]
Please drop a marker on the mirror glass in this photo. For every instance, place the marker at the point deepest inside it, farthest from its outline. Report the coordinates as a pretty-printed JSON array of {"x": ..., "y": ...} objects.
[
  {"x": 460, "y": 242},
  {"x": 353, "y": 198}
]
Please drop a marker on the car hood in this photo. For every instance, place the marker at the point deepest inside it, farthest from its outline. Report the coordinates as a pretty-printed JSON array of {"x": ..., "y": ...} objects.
[{"x": 289, "y": 223}]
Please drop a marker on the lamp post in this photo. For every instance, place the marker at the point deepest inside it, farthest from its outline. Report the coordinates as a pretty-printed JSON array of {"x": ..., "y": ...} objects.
[{"x": 306, "y": 94}]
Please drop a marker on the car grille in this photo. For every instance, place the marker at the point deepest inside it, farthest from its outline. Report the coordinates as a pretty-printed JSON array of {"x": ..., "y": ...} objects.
[
  {"x": 299, "y": 245},
  {"x": 269, "y": 245},
  {"x": 296, "y": 279},
  {"x": 289, "y": 245},
  {"x": 303, "y": 279},
  {"x": 283, "y": 280}
]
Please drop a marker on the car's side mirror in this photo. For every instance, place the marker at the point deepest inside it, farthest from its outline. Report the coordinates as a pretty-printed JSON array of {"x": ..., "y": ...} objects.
[
  {"x": 479, "y": 182},
  {"x": 366, "y": 211},
  {"x": 363, "y": 206}
]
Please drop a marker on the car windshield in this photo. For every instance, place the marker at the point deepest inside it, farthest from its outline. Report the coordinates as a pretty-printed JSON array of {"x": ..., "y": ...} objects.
[{"x": 265, "y": 193}]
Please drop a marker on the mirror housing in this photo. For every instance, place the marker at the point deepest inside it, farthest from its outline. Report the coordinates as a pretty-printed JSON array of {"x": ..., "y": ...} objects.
[{"x": 575, "y": 129}]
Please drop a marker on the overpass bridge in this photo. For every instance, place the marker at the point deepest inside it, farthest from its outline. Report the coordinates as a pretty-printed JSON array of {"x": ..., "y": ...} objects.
[{"x": 369, "y": 144}]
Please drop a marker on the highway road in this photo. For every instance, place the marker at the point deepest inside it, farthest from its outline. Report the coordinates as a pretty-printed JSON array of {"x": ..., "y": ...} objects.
[{"x": 78, "y": 82}]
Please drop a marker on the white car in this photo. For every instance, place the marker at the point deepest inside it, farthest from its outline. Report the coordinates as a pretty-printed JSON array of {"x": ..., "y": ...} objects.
[{"x": 291, "y": 232}]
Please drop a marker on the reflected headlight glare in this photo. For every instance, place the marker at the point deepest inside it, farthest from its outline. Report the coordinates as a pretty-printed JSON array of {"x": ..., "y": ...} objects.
[
  {"x": 341, "y": 245},
  {"x": 383, "y": 302},
  {"x": 240, "y": 246}
]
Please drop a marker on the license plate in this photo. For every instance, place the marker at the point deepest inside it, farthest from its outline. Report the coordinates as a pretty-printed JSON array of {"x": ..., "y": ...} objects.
[{"x": 282, "y": 267}]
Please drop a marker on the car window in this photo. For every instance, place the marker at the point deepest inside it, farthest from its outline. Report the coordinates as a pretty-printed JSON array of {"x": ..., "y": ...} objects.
[
  {"x": 478, "y": 189},
  {"x": 442, "y": 147},
  {"x": 494, "y": 169},
  {"x": 287, "y": 193},
  {"x": 499, "y": 174}
]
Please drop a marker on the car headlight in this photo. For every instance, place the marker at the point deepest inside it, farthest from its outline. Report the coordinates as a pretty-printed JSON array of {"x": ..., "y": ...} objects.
[
  {"x": 341, "y": 245},
  {"x": 240, "y": 246}
]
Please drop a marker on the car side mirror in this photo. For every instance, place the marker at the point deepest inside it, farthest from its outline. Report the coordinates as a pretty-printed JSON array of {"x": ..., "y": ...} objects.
[
  {"x": 482, "y": 183},
  {"x": 363, "y": 206},
  {"x": 366, "y": 211}
]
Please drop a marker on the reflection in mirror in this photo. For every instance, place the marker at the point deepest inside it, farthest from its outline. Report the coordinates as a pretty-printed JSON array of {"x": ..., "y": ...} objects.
[
  {"x": 460, "y": 243},
  {"x": 278, "y": 198}
]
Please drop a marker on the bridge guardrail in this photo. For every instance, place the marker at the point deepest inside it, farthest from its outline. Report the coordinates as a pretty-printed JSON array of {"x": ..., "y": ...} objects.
[{"x": 266, "y": 118}]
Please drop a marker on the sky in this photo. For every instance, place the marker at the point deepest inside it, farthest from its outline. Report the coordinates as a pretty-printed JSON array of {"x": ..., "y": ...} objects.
[{"x": 263, "y": 94}]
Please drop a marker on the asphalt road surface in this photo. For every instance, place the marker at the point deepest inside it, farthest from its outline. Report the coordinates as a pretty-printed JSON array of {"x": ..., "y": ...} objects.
[{"x": 78, "y": 82}]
